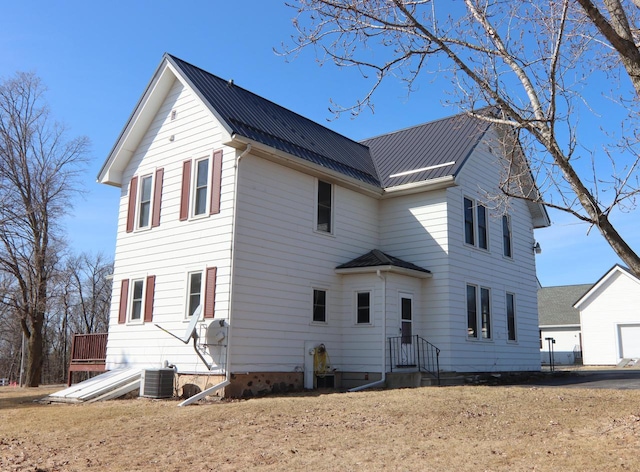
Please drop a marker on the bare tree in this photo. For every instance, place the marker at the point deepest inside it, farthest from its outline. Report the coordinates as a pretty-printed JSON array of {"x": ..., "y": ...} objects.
[
  {"x": 536, "y": 61},
  {"x": 38, "y": 176}
]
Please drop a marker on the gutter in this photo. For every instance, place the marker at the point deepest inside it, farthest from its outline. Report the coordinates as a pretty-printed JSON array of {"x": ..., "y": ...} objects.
[
  {"x": 227, "y": 379},
  {"x": 383, "y": 380}
]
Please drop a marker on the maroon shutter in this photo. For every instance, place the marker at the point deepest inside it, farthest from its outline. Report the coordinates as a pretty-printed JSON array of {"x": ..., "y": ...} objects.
[
  {"x": 157, "y": 198},
  {"x": 131, "y": 211},
  {"x": 216, "y": 180},
  {"x": 124, "y": 298},
  {"x": 210, "y": 293},
  {"x": 184, "y": 195},
  {"x": 148, "y": 298}
]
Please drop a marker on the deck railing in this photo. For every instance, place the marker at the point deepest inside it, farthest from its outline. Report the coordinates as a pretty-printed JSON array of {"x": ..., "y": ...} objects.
[
  {"x": 88, "y": 353},
  {"x": 414, "y": 352}
]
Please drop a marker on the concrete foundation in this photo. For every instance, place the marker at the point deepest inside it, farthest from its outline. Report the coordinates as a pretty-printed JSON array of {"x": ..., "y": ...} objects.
[{"x": 254, "y": 384}]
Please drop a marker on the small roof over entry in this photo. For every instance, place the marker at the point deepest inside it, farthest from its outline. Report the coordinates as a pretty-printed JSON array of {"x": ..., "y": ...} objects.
[{"x": 377, "y": 260}]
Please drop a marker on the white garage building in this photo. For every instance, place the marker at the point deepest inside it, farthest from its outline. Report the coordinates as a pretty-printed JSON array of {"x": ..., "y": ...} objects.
[{"x": 610, "y": 319}]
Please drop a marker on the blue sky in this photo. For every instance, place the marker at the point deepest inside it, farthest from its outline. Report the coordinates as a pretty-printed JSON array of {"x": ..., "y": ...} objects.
[{"x": 96, "y": 58}]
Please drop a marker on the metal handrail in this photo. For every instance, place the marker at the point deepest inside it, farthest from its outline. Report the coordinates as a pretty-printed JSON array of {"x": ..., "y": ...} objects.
[{"x": 415, "y": 352}]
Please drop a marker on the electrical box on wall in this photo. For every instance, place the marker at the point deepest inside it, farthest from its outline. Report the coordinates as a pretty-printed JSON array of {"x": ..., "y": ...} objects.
[{"x": 157, "y": 383}]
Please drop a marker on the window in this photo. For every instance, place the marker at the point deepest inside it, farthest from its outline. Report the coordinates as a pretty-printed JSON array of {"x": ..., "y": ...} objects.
[
  {"x": 511, "y": 317},
  {"x": 476, "y": 228},
  {"x": 506, "y": 236},
  {"x": 195, "y": 292},
  {"x": 143, "y": 210},
  {"x": 478, "y": 312},
  {"x": 136, "y": 306},
  {"x": 201, "y": 184},
  {"x": 136, "y": 300},
  {"x": 323, "y": 219},
  {"x": 319, "y": 306},
  {"x": 201, "y": 290},
  {"x": 469, "y": 222},
  {"x": 363, "y": 310}
]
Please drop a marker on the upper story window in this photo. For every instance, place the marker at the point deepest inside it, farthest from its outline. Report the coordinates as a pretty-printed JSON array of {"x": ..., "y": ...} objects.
[
  {"x": 136, "y": 300},
  {"x": 144, "y": 208},
  {"x": 201, "y": 185},
  {"x": 476, "y": 227},
  {"x": 363, "y": 307},
  {"x": 478, "y": 312},
  {"x": 319, "y": 306},
  {"x": 145, "y": 200},
  {"x": 506, "y": 236},
  {"x": 324, "y": 207}
]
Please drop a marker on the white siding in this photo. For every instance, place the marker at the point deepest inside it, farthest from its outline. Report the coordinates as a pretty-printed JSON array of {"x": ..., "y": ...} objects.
[
  {"x": 612, "y": 305},
  {"x": 567, "y": 344},
  {"x": 280, "y": 259},
  {"x": 175, "y": 247},
  {"x": 479, "y": 180}
]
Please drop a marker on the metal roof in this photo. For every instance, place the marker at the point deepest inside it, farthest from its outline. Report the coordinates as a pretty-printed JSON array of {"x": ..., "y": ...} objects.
[
  {"x": 258, "y": 119},
  {"x": 377, "y": 258},
  {"x": 555, "y": 304},
  {"x": 436, "y": 149}
]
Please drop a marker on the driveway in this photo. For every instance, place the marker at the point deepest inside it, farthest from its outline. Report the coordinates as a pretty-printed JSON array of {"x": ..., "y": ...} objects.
[{"x": 614, "y": 378}]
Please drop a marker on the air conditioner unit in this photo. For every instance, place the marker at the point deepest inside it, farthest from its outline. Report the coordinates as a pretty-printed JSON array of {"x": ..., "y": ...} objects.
[{"x": 157, "y": 383}]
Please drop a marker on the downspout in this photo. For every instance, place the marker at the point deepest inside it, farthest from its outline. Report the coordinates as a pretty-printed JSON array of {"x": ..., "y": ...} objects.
[
  {"x": 227, "y": 379},
  {"x": 383, "y": 380}
]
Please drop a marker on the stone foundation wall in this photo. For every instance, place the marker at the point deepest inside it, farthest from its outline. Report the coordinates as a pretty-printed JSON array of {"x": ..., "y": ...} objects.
[
  {"x": 255, "y": 384},
  {"x": 188, "y": 385}
]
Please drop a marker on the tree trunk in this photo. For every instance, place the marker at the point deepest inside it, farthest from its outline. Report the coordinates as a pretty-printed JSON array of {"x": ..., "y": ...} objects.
[{"x": 33, "y": 373}]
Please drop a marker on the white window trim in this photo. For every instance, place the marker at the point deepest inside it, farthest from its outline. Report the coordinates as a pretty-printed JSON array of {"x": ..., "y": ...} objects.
[
  {"x": 355, "y": 306},
  {"x": 333, "y": 208},
  {"x": 479, "y": 337},
  {"x": 193, "y": 189},
  {"x": 132, "y": 283},
  {"x": 326, "y": 306},
  {"x": 139, "y": 201},
  {"x": 187, "y": 292},
  {"x": 476, "y": 227}
]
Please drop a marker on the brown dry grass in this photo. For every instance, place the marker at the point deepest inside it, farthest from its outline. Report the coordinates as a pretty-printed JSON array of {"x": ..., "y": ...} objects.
[{"x": 440, "y": 429}]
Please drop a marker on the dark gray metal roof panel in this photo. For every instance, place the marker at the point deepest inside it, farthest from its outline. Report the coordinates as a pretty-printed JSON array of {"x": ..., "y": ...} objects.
[
  {"x": 263, "y": 121},
  {"x": 555, "y": 304},
  {"x": 429, "y": 145},
  {"x": 377, "y": 258}
]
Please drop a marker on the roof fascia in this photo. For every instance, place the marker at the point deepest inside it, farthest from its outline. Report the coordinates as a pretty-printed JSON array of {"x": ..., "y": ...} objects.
[
  {"x": 137, "y": 124},
  {"x": 302, "y": 165},
  {"x": 616, "y": 268},
  {"x": 385, "y": 268},
  {"x": 186, "y": 81},
  {"x": 556, "y": 326}
]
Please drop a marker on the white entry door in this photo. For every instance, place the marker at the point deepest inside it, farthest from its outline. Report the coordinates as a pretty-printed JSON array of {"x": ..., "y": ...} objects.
[{"x": 629, "y": 341}]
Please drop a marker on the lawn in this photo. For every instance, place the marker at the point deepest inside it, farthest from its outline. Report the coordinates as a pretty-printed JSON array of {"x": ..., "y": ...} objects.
[{"x": 473, "y": 428}]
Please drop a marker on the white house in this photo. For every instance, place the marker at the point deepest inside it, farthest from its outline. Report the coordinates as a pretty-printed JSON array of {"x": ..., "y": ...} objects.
[
  {"x": 312, "y": 255},
  {"x": 610, "y": 319},
  {"x": 560, "y": 322}
]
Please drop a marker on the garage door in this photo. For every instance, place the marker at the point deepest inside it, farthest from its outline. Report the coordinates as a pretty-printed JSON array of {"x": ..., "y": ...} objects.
[{"x": 630, "y": 341}]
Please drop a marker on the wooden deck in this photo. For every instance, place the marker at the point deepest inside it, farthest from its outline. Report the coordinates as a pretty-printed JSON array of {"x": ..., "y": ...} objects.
[{"x": 88, "y": 354}]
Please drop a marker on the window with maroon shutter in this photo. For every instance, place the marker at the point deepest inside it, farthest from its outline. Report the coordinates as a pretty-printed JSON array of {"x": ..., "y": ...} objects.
[
  {"x": 216, "y": 182},
  {"x": 157, "y": 198},
  {"x": 131, "y": 208},
  {"x": 124, "y": 300},
  {"x": 148, "y": 299},
  {"x": 210, "y": 293},
  {"x": 185, "y": 191}
]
